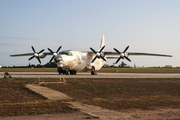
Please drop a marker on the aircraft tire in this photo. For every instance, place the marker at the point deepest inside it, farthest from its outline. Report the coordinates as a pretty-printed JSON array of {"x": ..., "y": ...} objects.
[
  {"x": 92, "y": 73},
  {"x": 63, "y": 72},
  {"x": 60, "y": 70},
  {"x": 67, "y": 72}
]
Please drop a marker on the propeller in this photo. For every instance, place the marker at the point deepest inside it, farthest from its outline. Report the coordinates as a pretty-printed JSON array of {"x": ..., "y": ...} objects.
[
  {"x": 122, "y": 55},
  {"x": 36, "y": 54},
  {"x": 98, "y": 54},
  {"x": 54, "y": 53}
]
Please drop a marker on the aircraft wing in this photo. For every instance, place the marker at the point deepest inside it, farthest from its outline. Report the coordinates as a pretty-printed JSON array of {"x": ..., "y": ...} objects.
[
  {"x": 29, "y": 54},
  {"x": 25, "y": 54},
  {"x": 40, "y": 54},
  {"x": 135, "y": 53},
  {"x": 149, "y": 54}
]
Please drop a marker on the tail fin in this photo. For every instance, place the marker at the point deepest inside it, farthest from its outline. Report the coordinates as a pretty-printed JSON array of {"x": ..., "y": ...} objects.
[{"x": 102, "y": 42}]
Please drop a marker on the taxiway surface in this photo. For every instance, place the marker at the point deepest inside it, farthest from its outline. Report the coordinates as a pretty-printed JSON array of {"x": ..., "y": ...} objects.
[{"x": 88, "y": 75}]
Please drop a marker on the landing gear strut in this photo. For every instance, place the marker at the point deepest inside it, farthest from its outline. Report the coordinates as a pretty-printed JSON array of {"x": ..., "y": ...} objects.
[
  {"x": 65, "y": 71},
  {"x": 93, "y": 72}
]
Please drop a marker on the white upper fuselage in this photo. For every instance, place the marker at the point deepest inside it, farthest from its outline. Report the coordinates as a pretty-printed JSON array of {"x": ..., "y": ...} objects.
[{"x": 78, "y": 61}]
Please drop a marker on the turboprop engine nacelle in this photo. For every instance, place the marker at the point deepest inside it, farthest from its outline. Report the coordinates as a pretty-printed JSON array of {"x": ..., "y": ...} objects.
[{"x": 42, "y": 55}]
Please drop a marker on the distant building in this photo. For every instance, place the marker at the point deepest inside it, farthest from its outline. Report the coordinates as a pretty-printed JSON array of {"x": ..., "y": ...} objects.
[{"x": 0, "y": 66}]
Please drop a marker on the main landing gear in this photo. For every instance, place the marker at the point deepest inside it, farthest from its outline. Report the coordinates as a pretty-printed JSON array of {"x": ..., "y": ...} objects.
[
  {"x": 72, "y": 72},
  {"x": 65, "y": 71},
  {"x": 93, "y": 72}
]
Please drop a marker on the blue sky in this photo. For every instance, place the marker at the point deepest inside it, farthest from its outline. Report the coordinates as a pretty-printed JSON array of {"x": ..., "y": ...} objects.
[{"x": 146, "y": 25}]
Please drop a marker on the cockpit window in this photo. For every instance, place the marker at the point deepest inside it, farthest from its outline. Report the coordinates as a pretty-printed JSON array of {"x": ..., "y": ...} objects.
[
  {"x": 70, "y": 54},
  {"x": 66, "y": 53}
]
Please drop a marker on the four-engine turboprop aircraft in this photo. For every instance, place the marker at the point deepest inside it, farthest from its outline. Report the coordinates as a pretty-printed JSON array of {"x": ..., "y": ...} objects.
[{"x": 69, "y": 62}]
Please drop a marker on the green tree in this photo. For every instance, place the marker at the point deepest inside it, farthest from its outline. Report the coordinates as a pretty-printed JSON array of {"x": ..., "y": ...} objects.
[
  {"x": 51, "y": 65},
  {"x": 123, "y": 65}
]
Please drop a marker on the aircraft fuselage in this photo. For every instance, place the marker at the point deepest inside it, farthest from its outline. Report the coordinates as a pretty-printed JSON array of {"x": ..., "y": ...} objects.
[{"x": 77, "y": 61}]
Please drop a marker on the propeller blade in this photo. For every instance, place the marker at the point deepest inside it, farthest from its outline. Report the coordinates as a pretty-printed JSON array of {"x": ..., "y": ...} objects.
[
  {"x": 36, "y": 54},
  {"x": 117, "y": 51},
  {"x": 58, "y": 49},
  {"x": 126, "y": 49},
  {"x": 52, "y": 58},
  {"x": 98, "y": 54},
  {"x": 31, "y": 57},
  {"x": 41, "y": 51},
  {"x": 93, "y": 50},
  {"x": 54, "y": 53},
  {"x": 94, "y": 59},
  {"x": 127, "y": 58},
  {"x": 103, "y": 58},
  {"x": 122, "y": 55},
  {"x": 118, "y": 60},
  {"x": 39, "y": 60},
  {"x": 50, "y": 50},
  {"x": 33, "y": 49},
  {"x": 101, "y": 49}
]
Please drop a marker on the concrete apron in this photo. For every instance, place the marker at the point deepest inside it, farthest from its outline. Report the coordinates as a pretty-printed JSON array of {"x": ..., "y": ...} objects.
[
  {"x": 94, "y": 111},
  {"x": 47, "y": 92}
]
